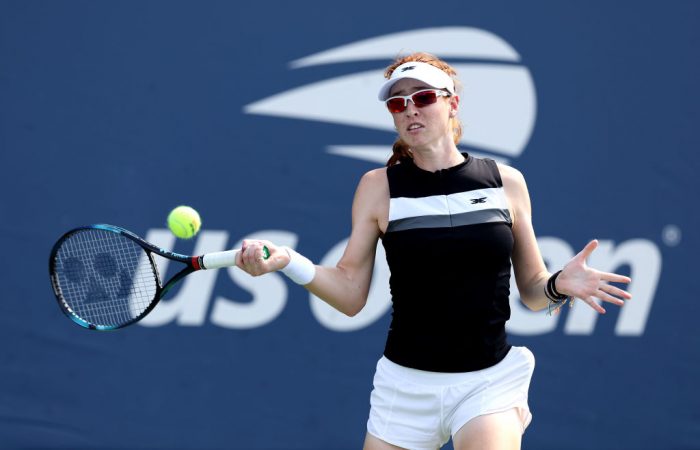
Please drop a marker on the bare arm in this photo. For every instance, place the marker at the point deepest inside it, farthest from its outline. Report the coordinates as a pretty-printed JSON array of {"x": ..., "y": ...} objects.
[
  {"x": 345, "y": 286},
  {"x": 531, "y": 275}
]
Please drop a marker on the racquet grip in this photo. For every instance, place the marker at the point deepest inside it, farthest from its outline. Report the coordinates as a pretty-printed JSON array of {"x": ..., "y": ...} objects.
[{"x": 216, "y": 260}]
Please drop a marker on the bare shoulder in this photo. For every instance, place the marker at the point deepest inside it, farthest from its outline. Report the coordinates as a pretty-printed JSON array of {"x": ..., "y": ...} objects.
[
  {"x": 375, "y": 175},
  {"x": 510, "y": 176},
  {"x": 372, "y": 198},
  {"x": 514, "y": 184},
  {"x": 374, "y": 183},
  {"x": 516, "y": 191}
]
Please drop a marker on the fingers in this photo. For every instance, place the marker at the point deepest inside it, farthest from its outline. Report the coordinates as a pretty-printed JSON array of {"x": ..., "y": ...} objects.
[
  {"x": 615, "y": 278},
  {"x": 607, "y": 293},
  {"x": 587, "y": 250},
  {"x": 609, "y": 298},
  {"x": 252, "y": 257},
  {"x": 593, "y": 304},
  {"x": 613, "y": 290},
  {"x": 590, "y": 284}
]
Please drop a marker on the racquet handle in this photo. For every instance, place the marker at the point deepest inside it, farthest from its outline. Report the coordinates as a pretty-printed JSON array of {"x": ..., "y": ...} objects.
[{"x": 217, "y": 260}]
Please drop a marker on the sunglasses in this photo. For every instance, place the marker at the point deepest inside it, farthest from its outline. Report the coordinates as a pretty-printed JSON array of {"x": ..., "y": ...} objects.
[{"x": 426, "y": 97}]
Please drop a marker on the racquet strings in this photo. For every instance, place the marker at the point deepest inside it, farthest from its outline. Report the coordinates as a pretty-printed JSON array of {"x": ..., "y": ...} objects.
[{"x": 104, "y": 278}]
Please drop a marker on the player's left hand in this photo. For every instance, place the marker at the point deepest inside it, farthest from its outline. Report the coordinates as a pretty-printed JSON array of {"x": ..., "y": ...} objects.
[{"x": 580, "y": 281}]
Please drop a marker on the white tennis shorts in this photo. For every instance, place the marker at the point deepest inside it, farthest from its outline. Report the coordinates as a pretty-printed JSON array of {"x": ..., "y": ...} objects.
[{"x": 419, "y": 410}]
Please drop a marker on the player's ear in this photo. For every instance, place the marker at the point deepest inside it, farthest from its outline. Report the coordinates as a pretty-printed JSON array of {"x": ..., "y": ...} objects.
[{"x": 454, "y": 105}]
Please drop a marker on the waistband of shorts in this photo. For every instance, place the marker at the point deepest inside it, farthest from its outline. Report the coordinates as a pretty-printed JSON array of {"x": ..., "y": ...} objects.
[
  {"x": 424, "y": 377},
  {"x": 428, "y": 378}
]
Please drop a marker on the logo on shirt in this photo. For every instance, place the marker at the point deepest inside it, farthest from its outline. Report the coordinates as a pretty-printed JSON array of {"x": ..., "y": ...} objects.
[{"x": 478, "y": 200}]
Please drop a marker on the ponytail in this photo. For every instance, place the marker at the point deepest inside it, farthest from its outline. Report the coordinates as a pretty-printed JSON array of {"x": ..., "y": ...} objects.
[{"x": 399, "y": 151}]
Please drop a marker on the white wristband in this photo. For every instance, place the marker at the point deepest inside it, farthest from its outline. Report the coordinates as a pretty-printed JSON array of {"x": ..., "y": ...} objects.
[{"x": 300, "y": 269}]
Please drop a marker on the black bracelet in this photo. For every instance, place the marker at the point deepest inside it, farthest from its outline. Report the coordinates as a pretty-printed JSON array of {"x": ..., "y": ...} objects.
[
  {"x": 551, "y": 292},
  {"x": 556, "y": 299},
  {"x": 554, "y": 285}
]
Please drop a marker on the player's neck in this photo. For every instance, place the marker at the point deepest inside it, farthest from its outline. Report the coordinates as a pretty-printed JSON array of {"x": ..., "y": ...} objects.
[{"x": 436, "y": 158}]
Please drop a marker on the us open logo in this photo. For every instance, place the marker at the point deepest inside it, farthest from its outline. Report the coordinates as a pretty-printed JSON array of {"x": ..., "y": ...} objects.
[
  {"x": 498, "y": 111},
  {"x": 498, "y": 101}
]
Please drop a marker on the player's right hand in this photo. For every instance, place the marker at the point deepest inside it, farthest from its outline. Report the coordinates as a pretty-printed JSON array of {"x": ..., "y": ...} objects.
[{"x": 252, "y": 257}]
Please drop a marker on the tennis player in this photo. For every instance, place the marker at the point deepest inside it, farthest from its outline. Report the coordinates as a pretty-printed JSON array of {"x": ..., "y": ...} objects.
[{"x": 451, "y": 225}]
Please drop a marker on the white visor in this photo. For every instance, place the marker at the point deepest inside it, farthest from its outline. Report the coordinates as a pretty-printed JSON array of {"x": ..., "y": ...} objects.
[{"x": 420, "y": 71}]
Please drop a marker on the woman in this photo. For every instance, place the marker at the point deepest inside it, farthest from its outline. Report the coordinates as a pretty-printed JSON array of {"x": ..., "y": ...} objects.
[{"x": 451, "y": 225}]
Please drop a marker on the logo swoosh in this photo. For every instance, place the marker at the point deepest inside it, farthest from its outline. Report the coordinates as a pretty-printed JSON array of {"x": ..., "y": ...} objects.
[
  {"x": 448, "y": 42},
  {"x": 498, "y": 103}
]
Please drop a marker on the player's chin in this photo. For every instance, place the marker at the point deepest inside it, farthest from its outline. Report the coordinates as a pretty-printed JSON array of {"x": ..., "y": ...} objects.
[{"x": 415, "y": 139}]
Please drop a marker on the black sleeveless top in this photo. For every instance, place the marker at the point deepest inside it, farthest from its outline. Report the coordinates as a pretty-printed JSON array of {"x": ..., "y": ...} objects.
[{"x": 448, "y": 245}]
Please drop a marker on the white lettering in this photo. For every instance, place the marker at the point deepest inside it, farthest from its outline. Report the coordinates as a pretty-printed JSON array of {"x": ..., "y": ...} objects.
[{"x": 269, "y": 293}]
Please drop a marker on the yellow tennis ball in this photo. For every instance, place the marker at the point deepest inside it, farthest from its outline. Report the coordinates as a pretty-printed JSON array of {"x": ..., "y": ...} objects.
[{"x": 184, "y": 222}]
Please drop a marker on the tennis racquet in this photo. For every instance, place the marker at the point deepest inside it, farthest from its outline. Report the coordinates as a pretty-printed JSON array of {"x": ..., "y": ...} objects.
[{"x": 106, "y": 277}]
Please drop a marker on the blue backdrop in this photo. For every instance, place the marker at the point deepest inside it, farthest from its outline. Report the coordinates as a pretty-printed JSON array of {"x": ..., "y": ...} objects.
[{"x": 263, "y": 116}]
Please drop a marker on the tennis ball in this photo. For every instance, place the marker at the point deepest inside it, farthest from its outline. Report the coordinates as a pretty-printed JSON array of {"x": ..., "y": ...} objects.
[{"x": 184, "y": 222}]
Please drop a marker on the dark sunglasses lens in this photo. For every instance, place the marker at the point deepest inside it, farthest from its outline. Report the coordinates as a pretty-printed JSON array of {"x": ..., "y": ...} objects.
[
  {"x": 424, "y": 98},
  {"x": 396, "y": 105}
]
